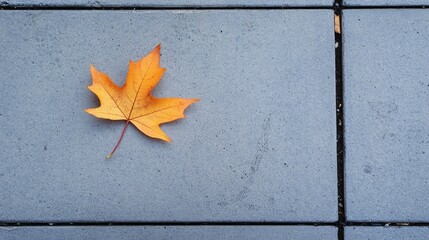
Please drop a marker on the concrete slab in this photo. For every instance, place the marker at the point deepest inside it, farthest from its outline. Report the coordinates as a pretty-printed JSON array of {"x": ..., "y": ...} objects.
[
  {"x": 168, "y": 232},
  {"x": 386, "y": 233},
  {"x": 259, "y": 146},
  {"x": 385, "y": 2},
  {"x": 387, "y": 114},
  {"x": 165, "y": 3}
]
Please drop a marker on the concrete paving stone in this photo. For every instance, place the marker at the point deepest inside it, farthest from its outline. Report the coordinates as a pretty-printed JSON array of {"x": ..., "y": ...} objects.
[
  {"x": 386, "y": 233},
  {"x": 386, "y": 78},
  {"x": 385, "y": 2},
  {"x": 170, "y": 3},
  {"x": 169, "y": 232},
  {"x": 260, "y": 145}
]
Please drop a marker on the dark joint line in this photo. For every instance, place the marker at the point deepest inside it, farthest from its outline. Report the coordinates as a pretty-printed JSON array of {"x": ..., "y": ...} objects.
[
  {"x": 196, "y": 223},
  {"x": 160, "y": 8},
  {"x": 144, "y": 223},
  {"x": 336, "y": 7},
  {"x": 339, "y": 95}
]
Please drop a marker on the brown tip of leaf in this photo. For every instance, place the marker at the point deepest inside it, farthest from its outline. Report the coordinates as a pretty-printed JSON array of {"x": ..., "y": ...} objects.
[{"x": 157, "y": 48}]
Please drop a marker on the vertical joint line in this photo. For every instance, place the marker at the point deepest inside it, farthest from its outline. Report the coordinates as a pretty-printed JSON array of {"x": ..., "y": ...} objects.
[{"x": 338, "y": 8}]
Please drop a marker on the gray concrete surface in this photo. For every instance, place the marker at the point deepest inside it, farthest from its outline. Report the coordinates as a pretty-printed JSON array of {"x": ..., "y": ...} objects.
[
  {"x": 170, "y": 3},
  {"x": 386, "y": 78},
  {"x": 166, "y": 232},
  {"x": 386, "y": 233},
  {"x": 385, "y": 2},
  {"x": 259, "y": 146}
]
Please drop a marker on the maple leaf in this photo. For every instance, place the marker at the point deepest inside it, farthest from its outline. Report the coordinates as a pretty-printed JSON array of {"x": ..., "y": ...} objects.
[{"x": 133, "y": 101}]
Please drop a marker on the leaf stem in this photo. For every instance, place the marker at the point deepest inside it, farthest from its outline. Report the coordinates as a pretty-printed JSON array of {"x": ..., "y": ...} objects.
[{"x": 119, "y": 141}]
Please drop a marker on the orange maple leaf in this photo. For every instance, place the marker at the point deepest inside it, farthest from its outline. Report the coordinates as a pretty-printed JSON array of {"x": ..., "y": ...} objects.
[{"x": 133, "y": 101}]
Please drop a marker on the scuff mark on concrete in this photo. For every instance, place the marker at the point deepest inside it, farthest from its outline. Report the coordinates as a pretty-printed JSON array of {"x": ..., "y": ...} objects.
[
  {"x": 262, "y": 148},
  {"x": 384, "y": 109}
]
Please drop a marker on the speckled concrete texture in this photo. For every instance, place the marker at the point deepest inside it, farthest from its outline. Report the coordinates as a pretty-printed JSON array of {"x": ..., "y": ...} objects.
[
  {"x": 386, "y": 233},
  {"x": 167, "y": 3},
  {"x": 386, "y": 77},
  {"x": 385, "y": 2},
  {"x": 259, "y": 146},
  {"x": 168, "y": 232}
]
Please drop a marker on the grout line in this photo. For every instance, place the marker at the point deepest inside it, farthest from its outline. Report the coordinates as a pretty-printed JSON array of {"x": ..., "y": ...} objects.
[
  {"x": 143, "y": 223},
  {"x": 161, "y": 8},
  {"x": 338, "y": 8},
  {"x": 190, "y": 7}
]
